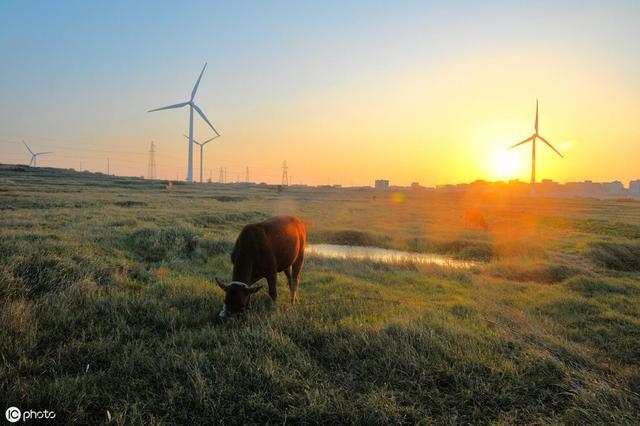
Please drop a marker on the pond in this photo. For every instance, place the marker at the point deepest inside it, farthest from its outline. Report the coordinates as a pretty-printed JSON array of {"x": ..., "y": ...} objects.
[{"x": 377, "y": 254}]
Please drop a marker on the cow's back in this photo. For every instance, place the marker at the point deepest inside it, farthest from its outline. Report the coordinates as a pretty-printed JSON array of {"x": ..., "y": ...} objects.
[
  {"x": 276, "y": 242},
  {"x": 287, "y": 238}
]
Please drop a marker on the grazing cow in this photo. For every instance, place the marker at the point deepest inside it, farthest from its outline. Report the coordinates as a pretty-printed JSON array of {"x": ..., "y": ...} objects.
[
  {"x": 475, "y": 218},
  {"x": 261, "y": 251}
]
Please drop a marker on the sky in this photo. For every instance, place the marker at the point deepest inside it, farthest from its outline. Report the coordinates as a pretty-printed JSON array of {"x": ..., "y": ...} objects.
[{"x": 345, "y": 91}]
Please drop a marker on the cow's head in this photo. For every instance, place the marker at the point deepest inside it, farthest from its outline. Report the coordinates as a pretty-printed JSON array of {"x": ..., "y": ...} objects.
[{"x": 236, "y": 298}]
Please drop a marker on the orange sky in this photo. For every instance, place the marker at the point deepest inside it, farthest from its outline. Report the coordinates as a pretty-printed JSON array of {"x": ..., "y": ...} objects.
[{"x": 346, "y": 94}]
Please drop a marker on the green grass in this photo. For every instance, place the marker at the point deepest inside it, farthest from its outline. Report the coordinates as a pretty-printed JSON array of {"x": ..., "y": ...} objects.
[
  {"x": 620, "y": 256},
  {"x": 117, "y": 274}
]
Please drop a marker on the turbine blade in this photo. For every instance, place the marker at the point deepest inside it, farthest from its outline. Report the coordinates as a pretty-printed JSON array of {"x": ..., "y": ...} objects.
[
  {"x": 194, "y": 140},
  {"x": 31, "y": 161},
  {"x": 550, "y": 146},
  {"x": 43, "y": 153},
  {"x": 210, "y": 139},
  {"x": 536, "y": 116},
  {"x": 195, "y": 88},
  {"x": 25, "y": 144},
  {"x": 180, "y": 105},
  {"x": 204, "y": 117},
  {"x": 530, "y": 138}
]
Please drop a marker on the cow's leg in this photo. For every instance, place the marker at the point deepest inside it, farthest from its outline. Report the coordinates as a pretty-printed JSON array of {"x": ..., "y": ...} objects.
[
  {"x": 296, "y": 269},
  {"x": 272, "y": 279},
  {"x": 292, "y": 287}
]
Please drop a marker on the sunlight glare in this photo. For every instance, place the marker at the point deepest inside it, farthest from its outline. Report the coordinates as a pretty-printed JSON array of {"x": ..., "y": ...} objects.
[{"x": 505, "y": 164}]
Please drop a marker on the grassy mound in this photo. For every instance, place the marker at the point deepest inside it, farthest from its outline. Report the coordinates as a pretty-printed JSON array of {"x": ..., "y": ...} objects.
[
  {"x": 459, "y": 248},
  {"x": 594, "y": 286},
  {"x": 229, "y": 198},
  {"x": 616, "y": 256},
  {"x": 157, "y": 244},
  {"x": 350, "y": 238},
  {"x": 545, "y": 273},
  {"x": 238, "y": 218}
]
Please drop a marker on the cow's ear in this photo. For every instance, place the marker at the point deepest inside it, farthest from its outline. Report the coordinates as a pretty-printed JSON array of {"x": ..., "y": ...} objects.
[
  {"x": 221, "y": 284},
  {"x": 255, "y": 289}
]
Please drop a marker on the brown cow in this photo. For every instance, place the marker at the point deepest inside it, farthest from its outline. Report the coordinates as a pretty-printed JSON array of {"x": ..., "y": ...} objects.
[
  {"x": 261, "y": 251},
  {"x": 475, "y": 218}
]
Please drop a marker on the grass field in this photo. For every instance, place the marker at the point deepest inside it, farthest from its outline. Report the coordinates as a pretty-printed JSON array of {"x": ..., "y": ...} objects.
[{"x": 109, "y": 310}]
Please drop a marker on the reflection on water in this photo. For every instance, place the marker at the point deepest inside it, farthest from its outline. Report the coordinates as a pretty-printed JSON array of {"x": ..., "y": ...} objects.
[{"x": 377, "y": 254}]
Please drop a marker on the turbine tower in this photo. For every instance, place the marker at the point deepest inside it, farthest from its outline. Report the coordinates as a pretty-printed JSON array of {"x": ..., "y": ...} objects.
[
  {"x": 34, "y": 155},
  {"x": 192, "y": 106},
  {"x": 532, "y": 139},
  {"x": 201, "y": 145},
  {"x": 285, "y": 176},
  {"x": 151, "y": 169}
]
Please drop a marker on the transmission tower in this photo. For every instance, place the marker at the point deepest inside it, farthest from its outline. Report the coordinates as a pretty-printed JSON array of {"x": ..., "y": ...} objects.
[
  {"x": 225, "y": 175},
  {"x": 151, "y": 170},
  {"x": 246, "y": 178},
  {"x": 285, "y": 175},
  {"x": 209, "y": 181},
  {"x": 221, "y": 175}
]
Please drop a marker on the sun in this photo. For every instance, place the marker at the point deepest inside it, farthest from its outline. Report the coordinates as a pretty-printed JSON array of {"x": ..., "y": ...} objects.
[{"x": 505, "y": 165}]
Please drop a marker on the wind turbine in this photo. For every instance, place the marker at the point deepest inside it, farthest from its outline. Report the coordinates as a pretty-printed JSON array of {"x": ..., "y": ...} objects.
[
  {"x": 34, "y": 155},
  {"x": 532, "y": 139},
  {"x": 201, "y": 145},
  {"x": 192, "y": 106}
]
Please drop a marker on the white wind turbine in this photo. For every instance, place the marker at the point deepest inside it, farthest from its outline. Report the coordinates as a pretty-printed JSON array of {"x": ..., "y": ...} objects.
[
  {"x": 532, "y": 139},
  {"x": 34, "y": 155},
  {"x": 201, "y": 145},
  {"x": 192, "y": 106}
]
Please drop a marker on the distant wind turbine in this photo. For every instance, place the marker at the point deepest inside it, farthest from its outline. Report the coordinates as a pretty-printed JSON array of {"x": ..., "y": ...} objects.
[
  {"x": 532, "y": 139},
  {"x": 201, "y": 145},
  {"x": 34, "y": 155},
  {"x": 192, "y": 106}
]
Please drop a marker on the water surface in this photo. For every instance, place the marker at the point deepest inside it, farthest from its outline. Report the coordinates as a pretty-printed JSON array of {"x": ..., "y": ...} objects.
[{"x": 377, "y": 254}]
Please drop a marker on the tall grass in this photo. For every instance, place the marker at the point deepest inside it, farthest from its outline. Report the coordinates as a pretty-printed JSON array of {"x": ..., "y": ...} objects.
[{"x": 110, "y": 306}]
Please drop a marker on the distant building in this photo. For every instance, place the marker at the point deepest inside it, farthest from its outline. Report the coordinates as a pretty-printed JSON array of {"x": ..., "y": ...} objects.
[
  {"x": 382, "y": 184},
  {"x": 548, "y": 185},
  {"x": 447, "y": 187},
  {"x": 586, "y": 187},
  {"x": 615, "y": 186},
  {"x": 634, "y": 186},
  {"x": 417, "y": 187}
]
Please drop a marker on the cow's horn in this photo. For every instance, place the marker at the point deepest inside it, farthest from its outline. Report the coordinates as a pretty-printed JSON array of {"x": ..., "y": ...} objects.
[
  {"x": 239, "y": 284},
  {"x": 221, "y": 283}
]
